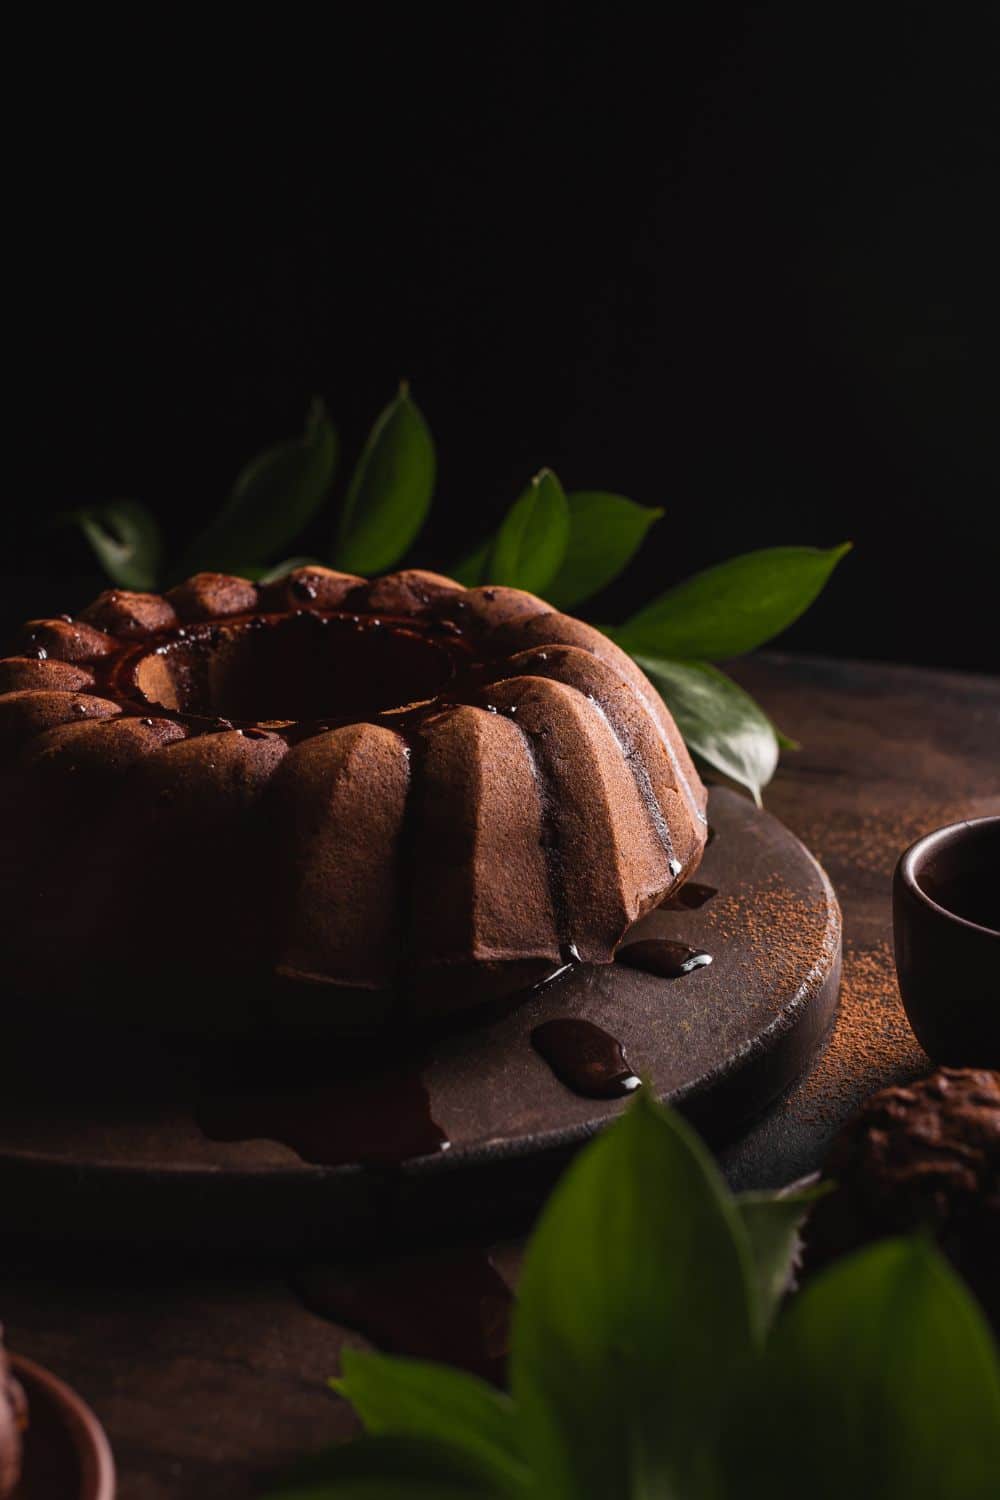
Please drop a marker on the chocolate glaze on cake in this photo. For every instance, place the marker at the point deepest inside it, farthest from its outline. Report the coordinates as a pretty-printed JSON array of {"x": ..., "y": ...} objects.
[{"x": 398, "y": 787}]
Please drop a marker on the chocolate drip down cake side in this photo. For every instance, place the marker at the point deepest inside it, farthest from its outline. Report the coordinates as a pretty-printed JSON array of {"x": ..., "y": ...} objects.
[{"x": 397, "y": 809}]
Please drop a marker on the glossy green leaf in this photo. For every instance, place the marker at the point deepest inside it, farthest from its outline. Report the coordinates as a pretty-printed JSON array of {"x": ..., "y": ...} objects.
[
  {"x": 384, "y": 1467},
  {"x": 605, "y": 532},
  {"x": 411, "y": 1396},
  {"x": 881, "y": 1380},
  {"x": 719, "y": 721},
  {"x": 126, "y": 541},
  {"x": 530, "y": 546},
  {"x": 636, "y": 1315},
  {"x": 390, "y": 490},
  {"x": 272, "y": 501},
  {"x": 773, "y": 1222},
  {"x": 472, "y": 569},
  {"x": 733, "y": 607}
]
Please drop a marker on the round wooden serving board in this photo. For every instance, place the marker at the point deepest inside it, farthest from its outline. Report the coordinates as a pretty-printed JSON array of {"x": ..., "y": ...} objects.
[{"x": 147, "y": 1141}]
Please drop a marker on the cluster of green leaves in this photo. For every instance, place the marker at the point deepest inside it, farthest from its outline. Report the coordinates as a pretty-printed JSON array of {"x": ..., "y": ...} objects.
[
  {"x": 654, "y": 1357},
  {"x": 568, "y": 547},
  {"x": 565, "y": 546},
  {"x": 276, "y": 497}
]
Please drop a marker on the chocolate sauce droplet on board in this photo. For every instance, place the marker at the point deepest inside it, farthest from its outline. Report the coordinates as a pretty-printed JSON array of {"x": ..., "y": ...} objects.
[
  {"x": 689, "y": 897},
  {"x": 661, "y": 956},
  {"x": 451, "y": 1306},
  {"x": 378, "y": 1118},
  {"x": 570, "y": 959},
  {"x": 586, "y": 1059}
]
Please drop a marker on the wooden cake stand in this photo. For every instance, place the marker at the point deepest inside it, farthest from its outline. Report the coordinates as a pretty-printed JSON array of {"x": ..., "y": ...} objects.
[{"x": 148, "y": 1140}]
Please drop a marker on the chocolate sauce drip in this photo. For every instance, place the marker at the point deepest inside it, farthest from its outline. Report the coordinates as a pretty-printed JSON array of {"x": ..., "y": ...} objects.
[
  {"x": 452, "y": 1306},
  {"x": 643, "y": 784},
  {"x": 690, "y": 896},
  {"x": 586, "y": 1059},
  {"x": 407, "y": 865},
  {"x": 545, "y": 662},
  {"x": 570, "y": 959},
  {"x": 551, "y": 846},
  {"x": 378, "y": 1118},
  {"x": 662, "y": 956}
]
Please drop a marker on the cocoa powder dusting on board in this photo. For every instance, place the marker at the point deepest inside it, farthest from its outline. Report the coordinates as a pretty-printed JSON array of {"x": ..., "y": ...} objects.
[
  {"x": 780, "y": 928},
  {"x": 872, "y": 841},
  {"x": 872, "y": 1044}
]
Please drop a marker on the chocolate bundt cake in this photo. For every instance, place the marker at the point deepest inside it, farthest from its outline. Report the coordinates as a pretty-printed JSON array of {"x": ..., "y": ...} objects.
[{"x": 397, "y": 787}]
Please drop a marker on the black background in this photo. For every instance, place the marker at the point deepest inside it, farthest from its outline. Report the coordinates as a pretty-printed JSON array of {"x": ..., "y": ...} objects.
[{"x": 736, "y": 261}]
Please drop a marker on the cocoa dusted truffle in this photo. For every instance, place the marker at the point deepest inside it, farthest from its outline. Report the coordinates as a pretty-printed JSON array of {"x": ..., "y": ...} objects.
[
  {"x": 921, "y": 1156},
  {"x": 13, "y": 1420}
]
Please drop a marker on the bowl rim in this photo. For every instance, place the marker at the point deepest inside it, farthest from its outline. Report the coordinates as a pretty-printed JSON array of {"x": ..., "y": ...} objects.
[
  {"x": 88, "y": 1436},
  {"x": 911, "y": 859}
]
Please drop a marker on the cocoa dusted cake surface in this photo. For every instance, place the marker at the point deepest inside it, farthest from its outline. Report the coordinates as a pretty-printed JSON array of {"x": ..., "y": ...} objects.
[
  {"x": 364, "y": 789},
  {"x": 13, "y": 1420}
]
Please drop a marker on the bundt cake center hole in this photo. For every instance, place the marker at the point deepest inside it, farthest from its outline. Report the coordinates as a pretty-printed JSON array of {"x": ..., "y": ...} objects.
[{"x": 298, "y": 667}]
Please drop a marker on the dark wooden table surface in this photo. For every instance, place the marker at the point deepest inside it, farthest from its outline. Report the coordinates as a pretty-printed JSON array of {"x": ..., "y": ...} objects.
[{"x": 209, "y": 1378}]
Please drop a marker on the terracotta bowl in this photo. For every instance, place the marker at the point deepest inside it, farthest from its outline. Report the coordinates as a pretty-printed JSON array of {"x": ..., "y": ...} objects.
[
  {"x": 946, "y": 921},
  {"x": 66, "y": 1454}
]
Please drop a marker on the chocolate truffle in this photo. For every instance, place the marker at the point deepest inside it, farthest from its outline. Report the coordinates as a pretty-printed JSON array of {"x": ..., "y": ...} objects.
[{"x": 922, "y": 1156}]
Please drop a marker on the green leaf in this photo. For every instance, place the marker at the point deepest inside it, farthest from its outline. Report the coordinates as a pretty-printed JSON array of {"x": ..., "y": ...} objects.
[
  {"x": 731, "y": 608},
  {"x": 390, "y": 1468},
  {"x": 411, "y": 1396},
  {"x": 472, "y": 569},
  {"x": 276, "y": 571},
  {"x": 636, "y": 1314},
  {"x": 773, "y": 1222},
  {"x": 605, "y": 532},
  {"x": 272, "y": 501},
  {"x": 531, "y": 543},
  {"x": 390, "y": 490},
  {"x": 126, "y": 541},
  {"x": 881, "y": 1381},
  {"x": 719, "y": 721}
]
